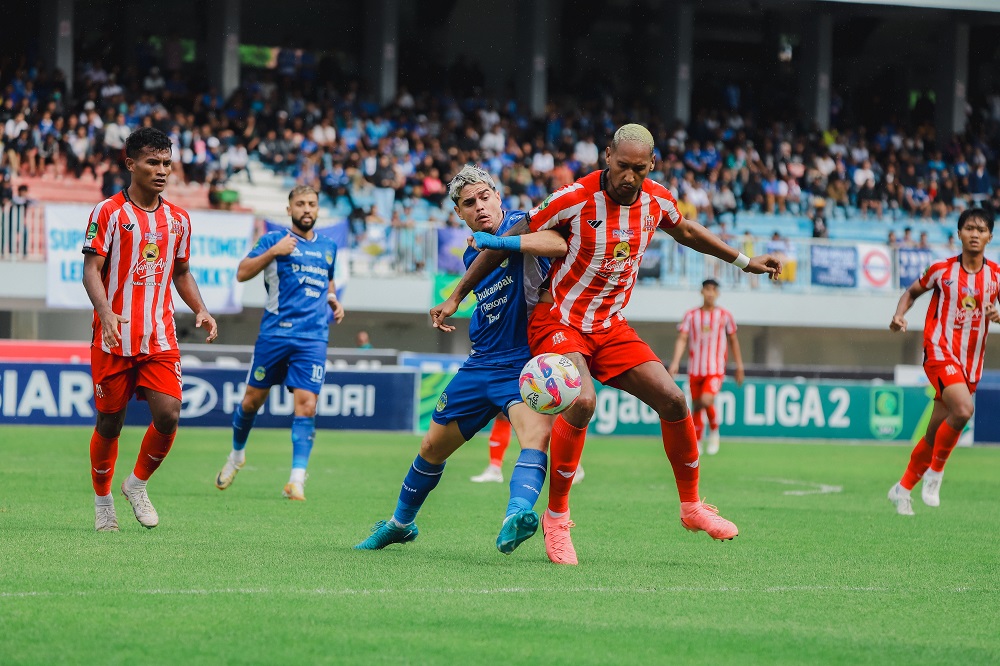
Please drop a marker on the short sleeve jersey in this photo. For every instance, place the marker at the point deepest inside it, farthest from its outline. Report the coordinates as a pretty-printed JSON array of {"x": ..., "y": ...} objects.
[
  {"x": 707, "y": 342},
  {"x": 505, "y": 298},
  {"x": 956, "y": 325},
  {"x": 140, "y": 248},
  {"x": 297, "y": 285},
  {"x": 593, "y": 282}
]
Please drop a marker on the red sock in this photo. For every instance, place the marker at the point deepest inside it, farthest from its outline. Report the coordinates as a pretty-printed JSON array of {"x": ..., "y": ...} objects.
[
  {"x": 499, "y": 439},
  {"x": 103, "y": 454},
  {"x": 944, "y": 441},
  {"x": 565, "y": 450},
  {"x": 155, "y": 447},
  {"x": 920, "y": 460},
  {"x": 699, "y": 424},
  {"x": 681, "y": 445},
  {"x": 713, "y": 421}
]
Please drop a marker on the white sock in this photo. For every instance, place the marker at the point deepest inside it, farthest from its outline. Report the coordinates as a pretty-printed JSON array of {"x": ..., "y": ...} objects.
[
  {"x": 902, "y": 490},
  {"x": 397, "y": 523},
  {"x": 556, "y": 514},
  {"x": 134, "y": 482},
  {"x": 104, "y": 500},
  {"x": 238, "y": 457},
  {"x": 298, "y": 475}
]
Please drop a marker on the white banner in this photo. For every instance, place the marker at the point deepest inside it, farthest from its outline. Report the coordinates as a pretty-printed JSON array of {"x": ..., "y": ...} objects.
[
  {"x": 219, "y": 241},
  {"x": 874, "y": 267}
]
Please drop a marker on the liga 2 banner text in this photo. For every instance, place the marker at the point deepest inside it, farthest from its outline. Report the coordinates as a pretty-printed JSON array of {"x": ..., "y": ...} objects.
[{"x": 219, "y": 241}]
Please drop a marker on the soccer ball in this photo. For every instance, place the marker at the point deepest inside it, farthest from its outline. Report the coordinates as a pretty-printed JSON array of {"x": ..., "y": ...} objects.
[{"x": 550, "y": 383}]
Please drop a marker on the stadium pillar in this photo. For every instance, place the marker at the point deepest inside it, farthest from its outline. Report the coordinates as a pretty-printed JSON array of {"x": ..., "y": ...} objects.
[
  {"x": 223, "y": 45},
  {"x": 676, "y": 50},
  {"x": 56, "y": 37},
  {"x": 533, "y": 18},
  {"x": 382, "y": 48},
  {"x": 816, "y": 69},
  {"x": 953, "y": 80}
]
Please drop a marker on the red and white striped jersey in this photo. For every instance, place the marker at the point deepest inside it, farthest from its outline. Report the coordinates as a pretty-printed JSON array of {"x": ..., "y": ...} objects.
[
  {"x": 956, "y": 326},
  {"x": 593, "y": 282},
  {"x": 707, "y": 343},
  {"x": 139, "y": 248}
]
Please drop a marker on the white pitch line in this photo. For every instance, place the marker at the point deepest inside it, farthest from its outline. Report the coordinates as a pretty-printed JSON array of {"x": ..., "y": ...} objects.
[
  {"x": 479, "y": 591},
  {"x": 816, "y": 488}
]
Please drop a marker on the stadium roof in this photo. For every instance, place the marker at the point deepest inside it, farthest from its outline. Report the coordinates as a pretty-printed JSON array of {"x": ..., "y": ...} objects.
[{"x": 969, "y": 5}]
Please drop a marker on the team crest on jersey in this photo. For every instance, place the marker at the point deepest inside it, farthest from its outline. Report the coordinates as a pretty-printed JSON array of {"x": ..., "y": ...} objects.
[
  {"x": 259, "y": 373},
  {"x": 176, "y": 228},
  {"x": 150, "y": 252},
  {"x": 128, "y": 226},
  {"x": 649, "y": 223},
  {"x": 441, "y": 403},
  {"x": 329, "y": 257},
  {"x": 622, "y": 234},
  {"x": 92, "y": 231},
  {"x": 622, "y": 251},
  {"x": 504, "y": 263}
]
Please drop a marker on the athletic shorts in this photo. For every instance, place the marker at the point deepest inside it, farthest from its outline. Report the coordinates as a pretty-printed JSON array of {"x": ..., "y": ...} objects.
[
  {"x": 475, "y": 395},
  {"x": 704, "y": 385},
  {"x": 118, "y": 378},
  {"x": 296, "y": 363},
  {"x": 609, "y": 353},
  {"x": 942, "y": 374}
]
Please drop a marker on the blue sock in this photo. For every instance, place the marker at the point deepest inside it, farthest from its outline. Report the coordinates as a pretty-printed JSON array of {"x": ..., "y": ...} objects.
[
  {"x": 242, "y": 424},
  {"x": 303, "y": 434},
  {"x": 419, "y": 482},
  {"x": 526, "y": 480}
]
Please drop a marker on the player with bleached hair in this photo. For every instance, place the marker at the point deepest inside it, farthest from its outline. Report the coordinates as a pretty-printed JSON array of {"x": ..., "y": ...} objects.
[
  {"x": 487, "y": 383},
  {"x": 609, "y": 218},
  {"x": 962, "y": 306}
]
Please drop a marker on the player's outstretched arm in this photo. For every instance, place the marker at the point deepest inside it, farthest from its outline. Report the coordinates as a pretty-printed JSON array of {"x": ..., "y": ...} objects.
[
  {"x": 697, "y": 237},
  {"x": 545, "y": 243},
  {"x": 111, "y": 323},
  {"x": 482, "y": 266},
  {"x": 187, "y": 289},
  {"x": 912, "y": 293}
]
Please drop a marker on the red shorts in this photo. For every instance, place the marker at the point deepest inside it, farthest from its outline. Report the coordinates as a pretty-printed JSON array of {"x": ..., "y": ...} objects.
[
  {"x": 609, "y": 353},
  {"x": 700, "y": 385},
  {"x": 942, "y": 374},
  {"x": 117, "y": 378}
]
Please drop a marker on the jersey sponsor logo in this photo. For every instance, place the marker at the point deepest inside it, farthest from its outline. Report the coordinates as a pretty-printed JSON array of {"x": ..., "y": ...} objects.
[
  {"x": 946, "y": 283},
  {"x": 494, "y": 288},
  {"x": 128, "y": 226},
  {"x": 545, "y": 203},
  {"x": 259, "y": 373},
  {"x": 441, "y": 403},
  {"x": 595, "y": 223},
  {"x": 969, "y": 302},
  {"x": 622, "y": 234},
  {"x": 622, "y": 251},
  {"x": 951, "y": 370},
  {"x": 92, "y": 231},
  {"x": 150, "y": 252},
  {"x": 153, "y": 236}
]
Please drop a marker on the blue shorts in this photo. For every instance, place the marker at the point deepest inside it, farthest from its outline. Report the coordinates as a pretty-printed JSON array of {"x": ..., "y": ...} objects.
[
  {"x": 296, "y": 363},
  {"x": 475, "y": 395}
]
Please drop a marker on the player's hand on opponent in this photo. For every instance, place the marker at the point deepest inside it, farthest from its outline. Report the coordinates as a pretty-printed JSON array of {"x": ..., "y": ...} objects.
[
  {"x": 338, "y": 309},
  {"x": 110, "y": 328},
  {"x": 286, "y": 245},
  {"x": 992, "y": 313},
  {"x": 484, "y": 240},
  {"x": 898, "y": 323},
  {"x": 441, "y": 312},
  {"x": 208, "y": 321},
  {"x": 764, "y": 263}
]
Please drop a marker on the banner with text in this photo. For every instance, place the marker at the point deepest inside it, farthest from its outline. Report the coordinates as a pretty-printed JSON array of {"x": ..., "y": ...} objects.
[
  {"x": 218, "y": 243},
  {"x": 866, "y": 266},
  {"x": 58, "y": 394}
]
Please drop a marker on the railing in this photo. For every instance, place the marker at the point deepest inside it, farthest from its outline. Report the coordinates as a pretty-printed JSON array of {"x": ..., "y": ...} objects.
[
  {"x": 22, "y": 233},
  {"x": 381, "y": 250}
]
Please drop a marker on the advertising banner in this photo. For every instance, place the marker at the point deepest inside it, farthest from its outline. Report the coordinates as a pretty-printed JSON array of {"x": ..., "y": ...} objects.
[
  {"x": 58, "y": 394},
  {"x": 912, "y": 264},
  {"x": 834, "y": 266},
  {"x": 443, "y": 286},
  {"x": 219, "y": 241},
  {"x": 762, "y": 408},
  {"x": 875, "y": 269}
]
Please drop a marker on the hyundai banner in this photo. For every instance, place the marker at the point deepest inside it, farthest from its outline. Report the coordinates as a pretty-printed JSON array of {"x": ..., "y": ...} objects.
[
  {"x": 57, "y": 394},
  {"x": 218, "y": 242}
]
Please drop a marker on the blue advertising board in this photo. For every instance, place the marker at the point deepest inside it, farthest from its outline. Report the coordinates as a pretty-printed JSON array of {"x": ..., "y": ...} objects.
[
  {"x": 834, "y": 266},
  {"x": 63, "y": 394}
]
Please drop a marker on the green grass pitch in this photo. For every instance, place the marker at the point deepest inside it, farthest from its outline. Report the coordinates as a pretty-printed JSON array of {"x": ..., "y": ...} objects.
[{"x": 243, "y": 576}]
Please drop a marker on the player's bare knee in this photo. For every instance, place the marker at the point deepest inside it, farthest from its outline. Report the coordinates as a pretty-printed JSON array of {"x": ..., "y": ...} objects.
[
  {"x": 963, "y": 412},
  {"x": 166, "y": 422},
  {"x": 671, "y": 406},
  {"x": 109, "y": 426},
  {"x": 582, "y": 410}
]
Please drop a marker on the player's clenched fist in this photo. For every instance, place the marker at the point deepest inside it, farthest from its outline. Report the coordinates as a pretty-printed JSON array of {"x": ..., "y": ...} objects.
[
  {"x": 897, "y": 324},
  {"x": 286, "y": 245}
]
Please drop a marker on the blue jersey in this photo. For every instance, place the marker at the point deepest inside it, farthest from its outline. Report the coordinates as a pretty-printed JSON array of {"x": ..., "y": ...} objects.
[
  {"x": 297, "y": 286},
  {"x": 505, "y": 298}
]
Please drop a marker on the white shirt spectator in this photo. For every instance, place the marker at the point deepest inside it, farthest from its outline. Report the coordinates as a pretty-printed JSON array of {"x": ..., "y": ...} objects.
[
  {"x": 697, "y": 196},
  {"x": 13, "y": 127},
  {"x": 324, "y": 134},
  {"x": 115, "y": 135},
  {"x": 586, "y": 153},
  {"x": 543, "y": 162},
  {"x": 493, "y": 141},
  {"x": 862, "y": 176}
]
